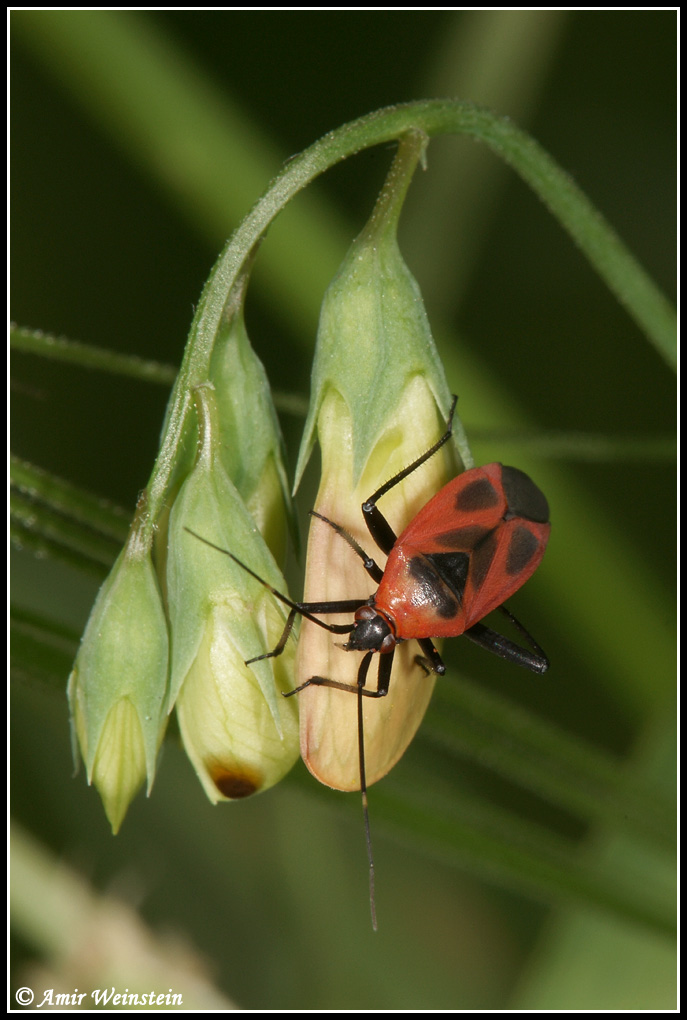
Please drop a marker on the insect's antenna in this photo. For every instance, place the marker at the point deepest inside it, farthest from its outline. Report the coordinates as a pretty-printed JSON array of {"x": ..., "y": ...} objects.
[
  {"x": 304, "y": 609},
  {"x": 362, "y": 676},
  {"x": 283, "y": 598}
]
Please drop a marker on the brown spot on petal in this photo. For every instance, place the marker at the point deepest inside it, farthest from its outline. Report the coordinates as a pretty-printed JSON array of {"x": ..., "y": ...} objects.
[{"x": 233, "y": 782}]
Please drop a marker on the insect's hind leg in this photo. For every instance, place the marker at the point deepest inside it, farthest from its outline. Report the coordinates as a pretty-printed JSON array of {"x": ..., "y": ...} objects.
[
  {"x": 539, "y": 652},
  {"x": 534, "y": 660},
  {"x": 377, "y": 524}
]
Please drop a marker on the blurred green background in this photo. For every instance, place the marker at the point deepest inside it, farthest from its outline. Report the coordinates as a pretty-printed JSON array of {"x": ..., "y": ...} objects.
[{"x": 139, "y": 141}]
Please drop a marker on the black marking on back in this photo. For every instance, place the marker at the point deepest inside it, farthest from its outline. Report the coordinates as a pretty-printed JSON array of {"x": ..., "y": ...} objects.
[
  {"x": 478, "y": 495},
  {"x": 522, "y": 547},
  {"x": 524, "y": 498},
  {"x": 462, "y": 538},
  {"x": 482, "y": 558},
  {"x": 442, "y": 577}
]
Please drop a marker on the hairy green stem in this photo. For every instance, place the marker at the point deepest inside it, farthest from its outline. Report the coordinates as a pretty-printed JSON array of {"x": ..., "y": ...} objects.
[
  {"x": 59, "y": 348},
  {"x": 599, "y": 243}
]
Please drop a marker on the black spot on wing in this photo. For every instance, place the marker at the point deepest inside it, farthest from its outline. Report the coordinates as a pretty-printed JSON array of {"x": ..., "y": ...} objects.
[
  {"x": 477, "y": 495},
  {"x": 462, "y": 538},
  {"x": 522, "y": 547},
  {"x": 480, "y": 545},
  {"x": 452, "y": 568},
  {"x": 482, "y": 558},
  {"x": 441, "y": 578},
  {"x": 524, "y": 498}
]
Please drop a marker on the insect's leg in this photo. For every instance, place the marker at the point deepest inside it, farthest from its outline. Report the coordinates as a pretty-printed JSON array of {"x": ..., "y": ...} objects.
[
  {"x": 383, "y": 677},
  {"x": 279, "y": 647},
  {"x": 307, "y": 609},
  {"x": 376, "y": 522},
  {"x": 431, "y": 661},
  {"x": 501, "y": 646},
  {"x": 527, "y": 636},
  {"x": 373, "y": 569}
]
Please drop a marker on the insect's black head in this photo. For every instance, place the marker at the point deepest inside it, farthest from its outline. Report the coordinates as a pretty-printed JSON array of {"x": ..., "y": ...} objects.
[{"x": 371, "y": 632}]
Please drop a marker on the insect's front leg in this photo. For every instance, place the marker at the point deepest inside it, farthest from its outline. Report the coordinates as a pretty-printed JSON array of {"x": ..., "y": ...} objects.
[
  {"x": 307, "y": 609},
  {"x": 373, "y": 568},
  {"x": 383, "y": 677},
  {"x": 376, "y": 522}
]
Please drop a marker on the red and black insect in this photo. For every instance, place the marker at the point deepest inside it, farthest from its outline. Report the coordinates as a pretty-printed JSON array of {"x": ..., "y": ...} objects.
[{"x": 471, "y": 547}]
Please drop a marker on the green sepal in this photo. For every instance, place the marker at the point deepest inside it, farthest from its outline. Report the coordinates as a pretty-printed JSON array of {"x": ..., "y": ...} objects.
[
  {"x": 373, "y": 334},
  {"x": 250, "y": 448}
]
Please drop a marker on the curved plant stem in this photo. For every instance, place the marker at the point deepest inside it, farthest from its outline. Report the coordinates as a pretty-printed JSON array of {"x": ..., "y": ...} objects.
[{"x": 556, "y": 189}]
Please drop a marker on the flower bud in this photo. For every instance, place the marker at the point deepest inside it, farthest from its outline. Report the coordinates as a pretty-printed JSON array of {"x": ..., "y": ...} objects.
[
  {"x": 238, "y": 730},
  {"x": 117, "y": 688},
  {"x": 239, "y": 740},
  {"x": 379, "y": 401}
]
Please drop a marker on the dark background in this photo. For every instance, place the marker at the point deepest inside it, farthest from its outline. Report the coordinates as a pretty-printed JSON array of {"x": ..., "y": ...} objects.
[{"x": 104, "y": 250}]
